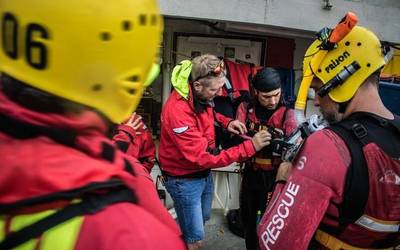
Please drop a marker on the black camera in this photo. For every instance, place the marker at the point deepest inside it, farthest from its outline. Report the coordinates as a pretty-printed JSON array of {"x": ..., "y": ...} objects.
[{"x": 288, "y": 147}]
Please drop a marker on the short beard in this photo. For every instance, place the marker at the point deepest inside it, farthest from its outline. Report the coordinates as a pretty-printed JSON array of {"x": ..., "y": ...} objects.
[
  {"x": 272, "y": 108},
  {"x": 331, "y": 117}
]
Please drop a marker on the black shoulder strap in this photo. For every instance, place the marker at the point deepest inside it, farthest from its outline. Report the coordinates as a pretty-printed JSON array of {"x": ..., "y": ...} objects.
[
  {"x": 356, "y": 131},
  {"x": 228, "y": 85},
  {"x": 383, "y": 132},
  {"x": 89, "y": 205},
  {"x": 66, "y": 195},
  {"x": 356, "y": 187}
]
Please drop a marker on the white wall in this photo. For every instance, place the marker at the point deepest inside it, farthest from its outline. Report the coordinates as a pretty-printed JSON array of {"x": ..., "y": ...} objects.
[
  {"x": 381, "y": 16},
  {"x": 216, "y": 46},
  {"x": 182, "y": 26},
  {"x": 193, "y": 26}
]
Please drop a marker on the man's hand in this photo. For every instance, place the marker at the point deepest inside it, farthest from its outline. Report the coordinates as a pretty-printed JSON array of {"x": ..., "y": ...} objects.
[
  {"x": 284, "y": 171},
  {"x": 237, "y": 127},
  {"x": 261, "y": 139},
  {"x": 136, "y": 123}
]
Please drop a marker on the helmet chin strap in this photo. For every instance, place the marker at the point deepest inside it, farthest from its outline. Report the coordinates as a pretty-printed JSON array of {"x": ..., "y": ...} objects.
[{"x": 343, "y": 106}]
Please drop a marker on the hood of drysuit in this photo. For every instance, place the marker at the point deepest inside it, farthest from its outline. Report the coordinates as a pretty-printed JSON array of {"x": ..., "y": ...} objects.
[{"x": 180, "y": 78}]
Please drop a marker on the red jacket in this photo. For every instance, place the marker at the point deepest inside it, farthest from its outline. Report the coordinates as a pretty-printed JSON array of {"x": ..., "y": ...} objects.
[
  {"x": 187, "y": 136},
  {"x": 140, "y": 146},
  {"x": 39, "y": 166},
  {"x": 239, "y": 78},
  {"x": 313, "y": 192}
]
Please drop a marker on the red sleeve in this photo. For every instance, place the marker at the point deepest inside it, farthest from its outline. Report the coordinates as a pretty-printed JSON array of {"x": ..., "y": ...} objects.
[
  {"x": 124, "y": 137},
  {"x": 284, "y": 119},
  {"x": 147, "y": 152},
  {"x": 223, "y": 120},
  {"x": 241, "y": 112},
  {"x": 296, "y": 210},
  {"x": 289, "y": 124},
  {"x": 193, "y": 145}
]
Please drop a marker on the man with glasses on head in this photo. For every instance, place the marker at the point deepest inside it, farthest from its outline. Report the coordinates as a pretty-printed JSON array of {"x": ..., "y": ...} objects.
[{"x": 187, "y": 148}]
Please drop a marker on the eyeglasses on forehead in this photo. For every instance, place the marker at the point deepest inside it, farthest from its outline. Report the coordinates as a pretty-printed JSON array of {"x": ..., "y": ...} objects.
[{"x": 217, "y": 71}]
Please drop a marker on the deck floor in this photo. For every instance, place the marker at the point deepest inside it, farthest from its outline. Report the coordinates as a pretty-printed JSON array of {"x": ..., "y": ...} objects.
[{"x": 218, "y": 235}]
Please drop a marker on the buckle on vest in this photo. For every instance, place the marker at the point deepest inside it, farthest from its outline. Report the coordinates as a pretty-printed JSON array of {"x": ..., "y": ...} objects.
[{"x": 359, "y": 130}]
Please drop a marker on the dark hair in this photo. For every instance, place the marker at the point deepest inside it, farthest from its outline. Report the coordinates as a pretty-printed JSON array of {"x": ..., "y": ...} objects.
[
  {"x": 36, "y": 99},
  {"x": 266, "y": 79}
]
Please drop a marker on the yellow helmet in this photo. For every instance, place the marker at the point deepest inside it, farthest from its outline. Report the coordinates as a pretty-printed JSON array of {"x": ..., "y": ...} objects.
[
  {"x": 355, "y": 57},
  {"x": 96, "y": 53}
]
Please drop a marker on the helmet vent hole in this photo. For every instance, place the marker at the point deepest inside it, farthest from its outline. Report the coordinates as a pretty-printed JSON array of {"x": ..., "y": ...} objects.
[
  {"x": 97, "y": 87},
  {"x": 105, "y": 36},
  {"x": 358, "y": 44},
  {"x": 131, "y": 91},
  {"x": 134, "y": 78},
  {"x": 126, "y": 25},
  {"x": 347, "y": 43},
  {"x": 153, "y": 19},
  {"x": 368, "y": 65},
  {"x": 142, "y": 19}
]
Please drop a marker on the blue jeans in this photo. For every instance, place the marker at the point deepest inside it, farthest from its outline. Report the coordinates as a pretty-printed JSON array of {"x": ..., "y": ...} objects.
[{"x": 192, "y": 200}]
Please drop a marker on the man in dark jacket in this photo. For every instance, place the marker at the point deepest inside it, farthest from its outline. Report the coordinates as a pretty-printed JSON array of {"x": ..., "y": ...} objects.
[
  {"x": 267, "y": 112},
  {"x": 187, "y": 147}
]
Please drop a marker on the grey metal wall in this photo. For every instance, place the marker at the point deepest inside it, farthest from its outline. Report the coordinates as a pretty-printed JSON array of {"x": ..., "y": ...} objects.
[{"x": 381, "y": 16}]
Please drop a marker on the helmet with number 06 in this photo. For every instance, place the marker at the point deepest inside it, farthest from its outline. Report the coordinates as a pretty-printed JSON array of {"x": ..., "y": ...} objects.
[{"x": 96, "y": 53}]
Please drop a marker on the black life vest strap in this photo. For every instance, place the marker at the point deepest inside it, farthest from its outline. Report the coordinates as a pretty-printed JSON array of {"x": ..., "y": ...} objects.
[
  {"x": 6, "y": 208},
  {"x": 356, "y": 187},
  {"x": 228, "y": 84},
  {"x": 90, "y": 204},
  {"x": 360, "y": 129}
]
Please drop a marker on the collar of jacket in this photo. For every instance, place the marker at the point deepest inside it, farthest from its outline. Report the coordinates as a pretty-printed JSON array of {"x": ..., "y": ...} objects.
[{"x": 87, "y": 122}]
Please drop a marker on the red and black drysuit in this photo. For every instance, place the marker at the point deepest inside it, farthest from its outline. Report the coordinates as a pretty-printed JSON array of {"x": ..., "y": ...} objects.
[
  {"x": 50, "y": 160},
  {"x": 140, "y": 146},
  {"x": 260, "y": 171},
  {"x": 311, "y": 203}
]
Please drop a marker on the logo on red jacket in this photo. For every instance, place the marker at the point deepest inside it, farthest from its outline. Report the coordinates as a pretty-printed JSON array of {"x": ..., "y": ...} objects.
[
  {"x": 390, "y": 177},
  {"x": 301, "y": 163},
  {"x": 180, "y": 130}
]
